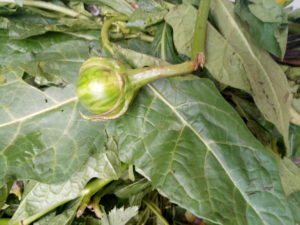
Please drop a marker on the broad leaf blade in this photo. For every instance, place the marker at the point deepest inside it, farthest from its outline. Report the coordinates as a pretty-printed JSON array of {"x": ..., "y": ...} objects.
[
  {"x": 44, "y": 197},
  {"x": 224, "y": 64},
  {"x": 294, "y": 200},
  {"x": 268, "y": 82},
  {"x": 196, "y": 151},
  {"x": 42, "y": 130}
]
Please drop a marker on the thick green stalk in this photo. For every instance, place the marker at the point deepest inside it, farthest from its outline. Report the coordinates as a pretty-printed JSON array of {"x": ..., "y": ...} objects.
[
  {"x": 49, "y": 6},
  {"x": 156, "y": 211},
  {"x": 142, "y": 76},
  {"x": 199, "y": 38},
  {"x": 90, "y": 189},
  {"x": 33, "y": 218}
]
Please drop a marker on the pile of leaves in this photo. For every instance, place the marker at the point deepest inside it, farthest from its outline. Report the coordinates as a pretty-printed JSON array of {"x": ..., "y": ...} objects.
[{"x": 220, "y": 145}]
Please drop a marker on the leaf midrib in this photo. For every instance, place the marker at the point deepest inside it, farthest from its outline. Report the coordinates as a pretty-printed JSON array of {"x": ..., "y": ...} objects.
[
  {"x": 207, "y": 144},
  {"x": 21, "y": 119},
  {"x": 254, "y": 57}
]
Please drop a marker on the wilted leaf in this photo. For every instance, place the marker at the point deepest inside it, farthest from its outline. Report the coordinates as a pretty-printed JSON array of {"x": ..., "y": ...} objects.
[
  {"x": 267, "y": 22},
  {"x": 222, "y": 62},
  {"x": 140, "y": 19},
  {"x": 151, "y": 5},
  {"x": 22, "y": 27},
  {"x": 191, "y": 144},
  {"x": 268, "y": 82}
]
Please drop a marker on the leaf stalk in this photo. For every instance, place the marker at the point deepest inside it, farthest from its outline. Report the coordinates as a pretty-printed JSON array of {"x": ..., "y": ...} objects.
[
  {"x": 199, "y": 38},
  {"x": 156, "y": 211},
  {"x": 143, "y": 76}
]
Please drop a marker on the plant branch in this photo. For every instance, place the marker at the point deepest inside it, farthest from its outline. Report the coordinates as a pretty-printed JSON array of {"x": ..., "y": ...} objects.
[
  {"x": 156, "y": 211},
  {"x": 199, "y": 38},
  {"x": 49, "y": 6},
  {"x": 90, "y": 189},
  {"x": 105, "y": 31}
]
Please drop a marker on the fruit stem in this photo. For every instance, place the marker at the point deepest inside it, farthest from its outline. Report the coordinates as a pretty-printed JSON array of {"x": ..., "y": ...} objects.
[{"x": 142, "y": 76}]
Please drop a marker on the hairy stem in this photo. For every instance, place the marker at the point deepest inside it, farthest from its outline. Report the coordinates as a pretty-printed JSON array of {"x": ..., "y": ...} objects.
[
  {"x": 49, "y": 6},
  {"x": 199, "y": 38}
]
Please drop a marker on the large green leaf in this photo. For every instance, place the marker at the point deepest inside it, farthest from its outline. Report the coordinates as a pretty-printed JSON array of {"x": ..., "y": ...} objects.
[
  {"x": 267, "y": 22},
  {"x": 195, "y": 149},
  {"x": 46, "y": 197},
  {"x": 42, "y": 130},
  {"x": 223, "y": 62},
  {"x": 268, "y": 82}
]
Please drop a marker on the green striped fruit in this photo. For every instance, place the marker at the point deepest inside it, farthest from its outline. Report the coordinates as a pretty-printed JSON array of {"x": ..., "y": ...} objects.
[
  {"x": 103, "y": 87},
  {"x": 106, "y": 86}
]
